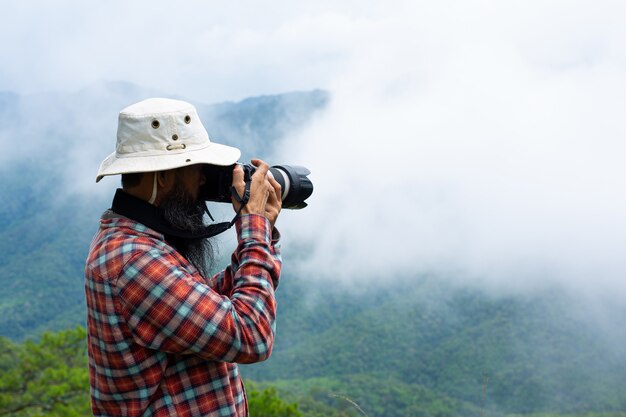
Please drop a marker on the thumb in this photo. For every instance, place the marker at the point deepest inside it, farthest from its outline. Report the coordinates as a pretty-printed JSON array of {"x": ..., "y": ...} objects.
[{"x": 237, "y": 174}]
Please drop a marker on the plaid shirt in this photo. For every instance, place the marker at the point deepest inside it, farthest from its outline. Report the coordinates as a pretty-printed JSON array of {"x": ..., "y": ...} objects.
[{"x": 163, "y": 340}]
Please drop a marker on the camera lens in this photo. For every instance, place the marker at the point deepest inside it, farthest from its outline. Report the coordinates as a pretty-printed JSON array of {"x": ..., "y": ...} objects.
[{"x": 296, "y": 186}]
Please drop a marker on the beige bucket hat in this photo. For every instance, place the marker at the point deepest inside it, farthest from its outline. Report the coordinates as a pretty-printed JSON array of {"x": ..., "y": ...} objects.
[{"x": 159, "y": 134}]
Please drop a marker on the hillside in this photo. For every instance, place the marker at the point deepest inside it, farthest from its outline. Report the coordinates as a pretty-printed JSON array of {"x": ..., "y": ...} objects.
[
  {"x": 406, "y": 345},
  {"x": 49, "y": 203},
  {"x": 532, "y": 352}
]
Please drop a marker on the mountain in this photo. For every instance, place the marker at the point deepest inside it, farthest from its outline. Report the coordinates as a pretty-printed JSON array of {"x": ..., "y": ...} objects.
[
  {"x": 408, "y": 344},
  {"x": 532, "y": 352},
  {"x": 49, "y": 203}
]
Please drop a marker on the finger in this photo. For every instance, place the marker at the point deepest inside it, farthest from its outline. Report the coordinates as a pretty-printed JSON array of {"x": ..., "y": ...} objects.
[
  {"x": 238, "y": 178},
  {"x": 262, "y": 167},
  {"x": 237, "y": 174},
  {"x": 270, "y": 190},
  {"x": 275, "y": 184},
  {"x": 238, "y": 183},
  {"x": 267, "y": 186}
]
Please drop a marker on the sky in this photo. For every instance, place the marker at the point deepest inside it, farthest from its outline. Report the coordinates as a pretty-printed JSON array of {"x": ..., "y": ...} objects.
[{"x": 477, "y": 139}]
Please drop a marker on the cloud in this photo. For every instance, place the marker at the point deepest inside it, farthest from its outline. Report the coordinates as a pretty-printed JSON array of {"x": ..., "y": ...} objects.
[
  {"x": 474, "y": 141},
  {"x": 207, "y": 51},
  {"x": 477, "y": 138}
]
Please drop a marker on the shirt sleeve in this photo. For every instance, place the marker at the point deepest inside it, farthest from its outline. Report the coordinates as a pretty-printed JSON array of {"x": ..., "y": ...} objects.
[
  {"x": 167, "y": 310},
  {"x": 222, "y": 282}
]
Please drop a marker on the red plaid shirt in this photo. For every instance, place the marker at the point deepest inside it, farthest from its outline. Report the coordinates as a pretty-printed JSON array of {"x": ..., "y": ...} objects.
[{"x": 163, "y": 340}]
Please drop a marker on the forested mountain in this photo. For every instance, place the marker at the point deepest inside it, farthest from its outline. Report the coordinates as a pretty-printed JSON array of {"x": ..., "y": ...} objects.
[
  {"x": 409, "y": 346},
  {"x": 530, "y": 353},
  {"x": 50, "y": 204}
]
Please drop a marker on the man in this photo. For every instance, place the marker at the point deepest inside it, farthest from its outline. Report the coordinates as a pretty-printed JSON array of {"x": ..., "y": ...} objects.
[{"x": 164, "y": 338}]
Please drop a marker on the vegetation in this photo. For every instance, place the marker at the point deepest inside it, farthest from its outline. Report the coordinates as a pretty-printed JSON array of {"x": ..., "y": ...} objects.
[
  {"x": 50, "y": 378},
  {"x": 528, "y": 354},
  {"x": 47, "y": 220},
  {"x": 419, "y": 347},
  {"x": 265, "y": 402}
]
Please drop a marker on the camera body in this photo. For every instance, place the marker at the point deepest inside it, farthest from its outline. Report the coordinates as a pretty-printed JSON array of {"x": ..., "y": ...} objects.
[{"x": 295, "y": 185}]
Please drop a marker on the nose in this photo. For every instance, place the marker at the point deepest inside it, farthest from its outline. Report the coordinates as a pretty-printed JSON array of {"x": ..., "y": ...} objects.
[{"x": 201, "y": 177}]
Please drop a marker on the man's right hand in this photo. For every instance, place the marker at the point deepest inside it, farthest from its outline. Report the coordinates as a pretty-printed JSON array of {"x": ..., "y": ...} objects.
[{"x": 265, "y": 192}]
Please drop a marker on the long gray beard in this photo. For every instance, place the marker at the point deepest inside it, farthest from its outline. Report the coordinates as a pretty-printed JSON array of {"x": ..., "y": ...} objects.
[{"x": 182, "y": 212}]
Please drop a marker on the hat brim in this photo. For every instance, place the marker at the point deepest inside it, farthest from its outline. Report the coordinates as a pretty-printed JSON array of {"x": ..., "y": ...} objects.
[{"x": 213, "y": 154}]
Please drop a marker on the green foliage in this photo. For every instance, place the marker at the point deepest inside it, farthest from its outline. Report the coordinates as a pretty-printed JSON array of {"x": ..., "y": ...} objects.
[
  {"x": 371, "y": 395},
  {"x": 414, "y": 347},
  {"x": 530, "y": 353},
  {"x": 50, "y": 378},
  {"x": 45, "y": 378},
  {"x": 46, "y": 222},
  {"x": 616, "y": 414},
  {"x": 266, "y": 403}
]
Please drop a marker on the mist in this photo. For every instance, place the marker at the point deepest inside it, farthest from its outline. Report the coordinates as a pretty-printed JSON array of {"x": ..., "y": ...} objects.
[{"x": 479, "y": 141}]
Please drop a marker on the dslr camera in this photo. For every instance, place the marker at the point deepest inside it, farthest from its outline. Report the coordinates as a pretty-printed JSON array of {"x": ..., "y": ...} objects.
[{"x": 295, "y": 185}]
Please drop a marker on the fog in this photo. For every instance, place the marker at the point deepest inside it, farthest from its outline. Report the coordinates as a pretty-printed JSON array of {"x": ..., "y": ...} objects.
[
  {"x": 474, "y": 142},
  {"x": 480, "y": 140}
]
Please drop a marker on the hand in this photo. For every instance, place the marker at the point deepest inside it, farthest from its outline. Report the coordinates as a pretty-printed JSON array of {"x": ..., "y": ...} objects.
[
  {"x": 274, "y": 201},
  {"x": 265, "y": 192}
]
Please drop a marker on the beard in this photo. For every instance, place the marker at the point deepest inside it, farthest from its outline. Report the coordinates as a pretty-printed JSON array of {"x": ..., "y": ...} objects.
[{"x": 181, "y": 211}]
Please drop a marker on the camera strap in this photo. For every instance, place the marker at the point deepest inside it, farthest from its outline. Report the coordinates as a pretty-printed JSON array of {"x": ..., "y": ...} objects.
[
  {"x": 242, "y": 200},
  {"x": 145, "y": 213}
]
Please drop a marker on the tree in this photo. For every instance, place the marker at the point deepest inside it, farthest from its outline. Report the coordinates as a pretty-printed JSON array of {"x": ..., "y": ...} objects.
[
  {"x": 266, "y": 403},
  {"x": 51, "y": 378},
  {"x": 46, "y": 378}
]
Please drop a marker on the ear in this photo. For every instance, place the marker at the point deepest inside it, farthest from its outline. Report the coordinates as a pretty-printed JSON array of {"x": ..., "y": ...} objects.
[
  {"x": 160, "y": 178},
  {"x": 165, "y": 179}
]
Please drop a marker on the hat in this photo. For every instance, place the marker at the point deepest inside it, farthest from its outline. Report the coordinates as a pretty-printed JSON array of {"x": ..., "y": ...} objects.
[{"x": 159, "y": 134}]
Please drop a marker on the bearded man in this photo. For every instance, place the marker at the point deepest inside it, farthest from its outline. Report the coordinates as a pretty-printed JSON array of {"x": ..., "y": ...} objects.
[{"x": 164, "y": 337}]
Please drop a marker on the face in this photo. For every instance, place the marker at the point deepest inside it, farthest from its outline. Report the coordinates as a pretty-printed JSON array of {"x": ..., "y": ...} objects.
[
  {"x": 191, "y": 178},
  {"x": 180, "y": 196},
  {"x": 181, "y": 208}
]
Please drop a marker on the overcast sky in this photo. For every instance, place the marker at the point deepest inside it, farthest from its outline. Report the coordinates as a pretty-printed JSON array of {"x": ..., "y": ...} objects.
[{"x": 478, "y": 138}]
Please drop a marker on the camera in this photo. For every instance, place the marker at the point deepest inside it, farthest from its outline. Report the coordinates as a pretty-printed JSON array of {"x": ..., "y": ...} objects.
[{"x": 295, "y": 185}]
